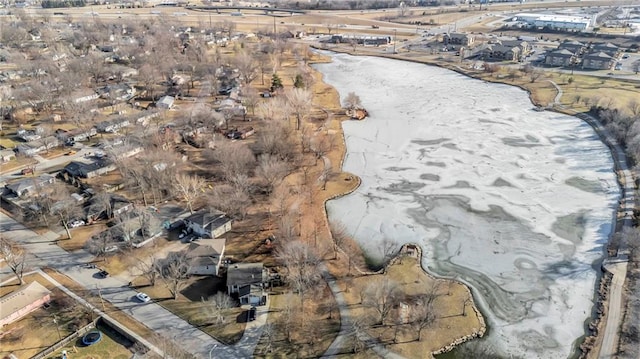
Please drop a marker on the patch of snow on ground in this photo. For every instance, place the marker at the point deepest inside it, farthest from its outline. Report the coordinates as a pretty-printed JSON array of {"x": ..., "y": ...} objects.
[{"x": 516, "y": 203}]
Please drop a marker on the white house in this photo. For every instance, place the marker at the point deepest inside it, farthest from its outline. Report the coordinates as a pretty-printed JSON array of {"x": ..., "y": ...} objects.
[
  {"x": 205, "y": 256},
  {"x": 248, "y": 281},
  {"x": 208, "y": 225},
  {"x": 165, "y": 102}
]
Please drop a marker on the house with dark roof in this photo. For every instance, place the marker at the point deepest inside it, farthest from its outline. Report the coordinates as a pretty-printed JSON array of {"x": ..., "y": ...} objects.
[
  {"x": 88, "y": 168},
  {"x": 608, "y": 48},
  {"x": 205, "y": 224},
  {"x": 562, "y": 57},
  {"x": 458, "y": 39},
  {"x": 27, "y": 186},
  {"x": 575, "y": 47},
  {"x": 499, "y": 52},
  {"x": 247, "y": 280},
  {"x": 597, "y": 61},
  {"x": 205, "y": 256}
]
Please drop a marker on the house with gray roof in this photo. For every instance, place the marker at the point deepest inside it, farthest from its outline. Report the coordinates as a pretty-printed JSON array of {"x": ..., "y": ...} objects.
[
  {"x": 247, "y": 280},
  {"x": 562, "y": 58},
  {"x": 597, "y": 61},
  {"x": 575, "y": 47},
  {"x": 27, "y": 186}
]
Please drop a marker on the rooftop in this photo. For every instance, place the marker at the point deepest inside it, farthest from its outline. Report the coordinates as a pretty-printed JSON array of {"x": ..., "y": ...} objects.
[{"x": 21, "y": 298}]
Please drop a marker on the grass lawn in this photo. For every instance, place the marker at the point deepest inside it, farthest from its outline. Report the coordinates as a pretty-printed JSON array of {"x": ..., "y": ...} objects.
[
  {"x": 449, "y": 325},
  {"x": 79, "y": 236},
  {"x": 37, "y": 331},
  {"x": 111, "y": 346},
  {"x": 189, "y": 306}
]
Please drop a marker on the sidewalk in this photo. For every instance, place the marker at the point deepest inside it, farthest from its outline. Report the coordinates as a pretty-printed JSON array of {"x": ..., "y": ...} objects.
[{"x": 116, "y": 291}]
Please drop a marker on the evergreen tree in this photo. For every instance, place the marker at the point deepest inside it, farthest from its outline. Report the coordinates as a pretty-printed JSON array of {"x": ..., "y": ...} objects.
[{"x": 276, "y": 82}]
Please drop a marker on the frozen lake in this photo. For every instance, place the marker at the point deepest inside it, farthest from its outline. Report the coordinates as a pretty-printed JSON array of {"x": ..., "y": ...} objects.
[{"x": 516, "y": 203}]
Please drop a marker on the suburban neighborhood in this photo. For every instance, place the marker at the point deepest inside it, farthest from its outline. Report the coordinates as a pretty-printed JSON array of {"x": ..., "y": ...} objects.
[{"x": 165, "y": 170}]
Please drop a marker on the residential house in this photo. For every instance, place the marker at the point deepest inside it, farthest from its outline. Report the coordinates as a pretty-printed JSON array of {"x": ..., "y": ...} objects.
[
  {"x": 88, "y": 168},
  {"x": 29, "y": 135},
  {"x": 84, "y": 95},
  {"x": 22, "y": 301},
  {"x": 76, "y": 135},
  {"x": 458, "y": 39},
  {"x": 562, "y": 57},
  {"x": 35, "y": 147},
  {"x": 7, "y": 155},
  {"x": 165, "y": 102},
  {"x": 524, "y": 46},
  {"x": 97, "y": 210},
  {"x": 112, "y": 126},
  {"x": 608, "y": 48},
  {"x": 575, "y": 47},
  {"x": 230, "y": 106},
  {"x": 247, "y": 280},
  {"x": 118, "y": 92},
  {"x": 26, "y": 186},
  {"x": 205, "y": 256},
  {"x": 597, "y": 61},
  {"x": 498, "y": 52},
  {"x": 205, "y": 224}
]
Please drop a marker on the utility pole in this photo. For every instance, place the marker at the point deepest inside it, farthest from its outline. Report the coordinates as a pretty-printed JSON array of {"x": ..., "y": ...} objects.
[
  {"x": 100, "y": 295},
  {"x": 55, "y": 321},
  {"x": 395, "y": 39}
]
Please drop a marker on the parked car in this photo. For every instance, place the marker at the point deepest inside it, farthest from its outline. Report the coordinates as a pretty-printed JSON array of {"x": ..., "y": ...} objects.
[
  {"x": 103, "y": 274},
  {"x": 251, "y": 314},
  {"x": 76, "y": 223},
  {"x": 27, "y": 171},
  {"x": 143, "y": 297}
]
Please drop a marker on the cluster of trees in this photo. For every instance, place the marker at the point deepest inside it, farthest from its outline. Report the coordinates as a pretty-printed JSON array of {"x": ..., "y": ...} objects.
[{"x": 622, "y": 123}]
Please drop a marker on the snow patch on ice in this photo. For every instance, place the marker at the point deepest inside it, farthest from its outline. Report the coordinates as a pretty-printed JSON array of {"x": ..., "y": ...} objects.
[{"x": 516, "y": 203}]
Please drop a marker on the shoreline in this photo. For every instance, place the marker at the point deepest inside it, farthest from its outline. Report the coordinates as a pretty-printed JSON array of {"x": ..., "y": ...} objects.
[
  {"x": 343, "y": 149},
  {"x": 583, "y": 348}
]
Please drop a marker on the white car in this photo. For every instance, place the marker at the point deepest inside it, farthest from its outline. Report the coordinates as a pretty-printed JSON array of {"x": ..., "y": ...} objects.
[
  {"x": 143, "y": 297},
  {"x": 76, "y": 223}
]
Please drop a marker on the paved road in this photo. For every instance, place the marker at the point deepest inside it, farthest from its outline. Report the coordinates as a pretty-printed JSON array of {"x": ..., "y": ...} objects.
[{"x": 46, "y": 253}]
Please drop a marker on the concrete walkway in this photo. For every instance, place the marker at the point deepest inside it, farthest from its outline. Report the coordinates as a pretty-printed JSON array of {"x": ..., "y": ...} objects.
[
  {"x": 115, "y": 290},
  {"x": 338, "y": 347}
]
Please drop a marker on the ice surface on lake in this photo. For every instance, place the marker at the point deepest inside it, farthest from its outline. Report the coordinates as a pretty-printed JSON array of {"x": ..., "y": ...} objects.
[{"x": 516, "y": 203}]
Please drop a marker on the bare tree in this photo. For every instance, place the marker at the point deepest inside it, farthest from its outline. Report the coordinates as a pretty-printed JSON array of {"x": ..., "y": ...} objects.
[
  {"x": 217, "y": 305},
  {"x": 423, "y": 316},
  {"x": 67, "y": 209},
  {"x": 272, "y": 170},
  {"x": 382, "y": 295},
  {"x": 232, "y": 200},
  {"x": 388, "y": 249},
  {"x": 100, "y": 243},
  {"x": 235, "y": 158},
  {"x": 352, "y": 101},
  {"x": 300, "y": 103},
  {"x": 250, "y": 99},
  {"x": 189, "y": 188},
  {"x": 174, "y": 272},
  {"x": 14, "y": 257},
  {"x": 302, "y": 266},
  {"x": 149, "y": 268},
  {"x": 247, "y": 66}
]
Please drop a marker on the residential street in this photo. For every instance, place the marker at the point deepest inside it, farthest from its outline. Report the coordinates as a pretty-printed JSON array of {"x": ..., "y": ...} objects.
[{"x": 115, "y": 290}]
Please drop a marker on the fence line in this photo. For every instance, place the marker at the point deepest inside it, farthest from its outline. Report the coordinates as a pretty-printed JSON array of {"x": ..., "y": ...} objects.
[{"x": 66, "y": 340}]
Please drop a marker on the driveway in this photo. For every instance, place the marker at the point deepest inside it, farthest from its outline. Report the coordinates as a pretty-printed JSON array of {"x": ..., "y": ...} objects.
[{"x": 46, "y": 253}]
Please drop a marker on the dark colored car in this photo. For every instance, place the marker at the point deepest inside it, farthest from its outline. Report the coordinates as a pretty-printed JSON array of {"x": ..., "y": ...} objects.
[
  {"x": 251, "y": 314},
  {"x": 103, "y": 273}
]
